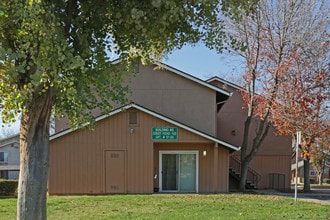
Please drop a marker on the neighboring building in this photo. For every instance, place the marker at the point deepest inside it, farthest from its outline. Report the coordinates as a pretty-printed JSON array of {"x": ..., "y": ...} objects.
[
  {"x": 271, "y": 167},
  {"x": 172, "y": 138},
  {"x": 312, "y": 172},
  {"x": 9, "y": 157}
]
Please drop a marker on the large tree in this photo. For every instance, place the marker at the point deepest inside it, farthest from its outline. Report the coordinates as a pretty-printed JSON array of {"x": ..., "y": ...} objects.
[
  {"x": 303, "y": 105},
  {"x": 54, "y": 59},
  {"x": 269, "y": 37}
]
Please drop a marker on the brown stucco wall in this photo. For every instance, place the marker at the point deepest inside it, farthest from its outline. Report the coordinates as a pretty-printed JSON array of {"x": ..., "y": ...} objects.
[
  {"x": 172, "y": 95},
  {"x": 176, "y": 97}
]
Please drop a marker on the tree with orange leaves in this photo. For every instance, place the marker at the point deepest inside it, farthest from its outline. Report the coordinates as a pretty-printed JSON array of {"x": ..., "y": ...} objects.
[
  {"x": 285, "y": 47},
  {"x": 302, "y": 103}
]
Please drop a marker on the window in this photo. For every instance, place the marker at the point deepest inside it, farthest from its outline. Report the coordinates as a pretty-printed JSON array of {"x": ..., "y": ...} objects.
[
  {"x": 133, "y": 118},
  {"x": 3, "y": 174},
  {"x": 312, "y": 173},
  {"x": 178, "y": 171},
  {"x": 3, "y": 157}
]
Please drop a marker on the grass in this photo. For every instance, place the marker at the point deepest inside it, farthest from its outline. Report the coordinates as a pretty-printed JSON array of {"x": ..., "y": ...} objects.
[{"x": 182, "y": 206}]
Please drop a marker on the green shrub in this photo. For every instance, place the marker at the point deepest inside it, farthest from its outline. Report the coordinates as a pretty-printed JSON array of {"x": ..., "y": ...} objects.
[
  {"x": 8, "y": 187},
  {"x": 326, "y": 180},
  {"x": 312, "y": 181}
]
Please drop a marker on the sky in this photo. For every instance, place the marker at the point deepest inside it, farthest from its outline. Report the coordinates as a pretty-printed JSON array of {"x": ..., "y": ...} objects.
[
  {"x": 203, "y": 63},
  {"x": 197, "y": 61}
]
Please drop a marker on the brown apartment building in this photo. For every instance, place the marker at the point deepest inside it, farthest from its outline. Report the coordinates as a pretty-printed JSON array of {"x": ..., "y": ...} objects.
[
  {"x": 169, "y": 139},
  {"x": 272, "y": 163}
]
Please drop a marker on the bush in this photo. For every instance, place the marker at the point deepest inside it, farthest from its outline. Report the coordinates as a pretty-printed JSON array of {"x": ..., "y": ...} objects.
[
  {"x": 8, "y": 187},
  {"x": 326, "y": 180},
  {"x": 312, "y": 181}
]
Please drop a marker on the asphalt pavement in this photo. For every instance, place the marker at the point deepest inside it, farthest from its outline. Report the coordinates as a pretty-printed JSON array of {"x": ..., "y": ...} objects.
[{"x": 315, "y": 195}]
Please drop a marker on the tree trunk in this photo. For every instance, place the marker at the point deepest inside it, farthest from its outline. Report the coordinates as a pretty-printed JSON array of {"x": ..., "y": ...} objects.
[
  {"x": 244, "y": 171},
  {"x": 244, "y": 163},
  {"x": 307, "y": 183},
  {"x": 262, "y": 132},
  {"x": 34, "y": 156},
  {"x": 320, "y": 178}
]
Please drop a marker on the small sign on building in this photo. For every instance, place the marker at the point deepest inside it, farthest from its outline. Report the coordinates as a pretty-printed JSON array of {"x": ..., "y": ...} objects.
[{"x": 164, "y": 133}]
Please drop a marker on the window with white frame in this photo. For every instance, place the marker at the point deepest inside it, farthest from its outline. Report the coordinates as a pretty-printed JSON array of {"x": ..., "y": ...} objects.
[{"x": 3, "y": 157}]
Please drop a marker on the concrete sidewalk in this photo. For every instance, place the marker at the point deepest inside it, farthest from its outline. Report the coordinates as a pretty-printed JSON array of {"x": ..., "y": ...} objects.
[{"x": 315, "y": 195}]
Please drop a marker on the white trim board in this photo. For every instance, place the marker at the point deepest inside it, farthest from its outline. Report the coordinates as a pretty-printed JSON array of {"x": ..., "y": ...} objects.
[
  {"x": 159, "y": 116},
  {"x": 192, "y": 78}
]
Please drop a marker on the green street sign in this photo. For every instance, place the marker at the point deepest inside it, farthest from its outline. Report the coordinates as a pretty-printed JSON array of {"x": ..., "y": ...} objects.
[{"x": 164, "y": 133}]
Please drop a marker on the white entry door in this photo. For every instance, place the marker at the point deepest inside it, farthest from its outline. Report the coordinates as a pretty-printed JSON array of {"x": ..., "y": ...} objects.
[{"x": 178, "y": 171}]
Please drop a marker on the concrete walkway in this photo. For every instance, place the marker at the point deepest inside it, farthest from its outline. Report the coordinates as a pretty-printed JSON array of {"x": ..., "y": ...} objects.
[{"x": 316, "y": 195}]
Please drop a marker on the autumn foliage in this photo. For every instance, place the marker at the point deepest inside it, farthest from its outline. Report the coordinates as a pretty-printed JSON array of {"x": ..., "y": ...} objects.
[{"x": 285, "y": 48}]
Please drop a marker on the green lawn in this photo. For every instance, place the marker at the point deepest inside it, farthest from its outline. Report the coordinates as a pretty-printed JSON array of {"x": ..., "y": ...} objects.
[{"x": 221, "y": 206}]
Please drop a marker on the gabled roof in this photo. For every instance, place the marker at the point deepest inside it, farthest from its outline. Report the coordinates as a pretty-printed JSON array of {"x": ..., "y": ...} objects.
[
  {"x": 216, "y": 78},
  {"x": 187, "y": 76},
  {"x": 192, "y": 78},
  {"x": 9, "y": 140},
  {"x": 159, "y": 116}
]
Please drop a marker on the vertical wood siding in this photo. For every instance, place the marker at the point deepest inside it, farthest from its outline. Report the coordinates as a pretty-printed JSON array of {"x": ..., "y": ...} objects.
[
  {"x": 223, "y": 167},
  {"x": 274, "y": 156},
  {"x": 208, "y": 182},
  {"x": 77, "y": 160},
  {"x": 265, "y": 165}
]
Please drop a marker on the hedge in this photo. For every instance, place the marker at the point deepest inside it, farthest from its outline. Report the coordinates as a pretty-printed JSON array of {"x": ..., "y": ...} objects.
[
  {"x": 8, "y": 187},
  {"x": 312, "y": 181}
]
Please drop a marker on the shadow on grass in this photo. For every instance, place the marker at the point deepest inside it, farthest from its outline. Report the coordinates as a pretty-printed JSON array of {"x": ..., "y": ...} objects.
[{"x": 8, "y": 197}]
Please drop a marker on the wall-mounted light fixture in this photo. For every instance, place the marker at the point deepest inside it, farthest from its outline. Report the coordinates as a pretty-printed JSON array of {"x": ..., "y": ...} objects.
[
  {"x": 233, "y": 132},
  {"x": 204, "y": 153},
  {"x": 131, "y": 130}
]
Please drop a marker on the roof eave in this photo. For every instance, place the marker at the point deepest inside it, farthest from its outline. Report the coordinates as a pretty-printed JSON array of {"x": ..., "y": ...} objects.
[
  {"x": 194, "y": 79},
  {"x": 216, "y": 78},
  {"x": 171, "y": 121}
]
